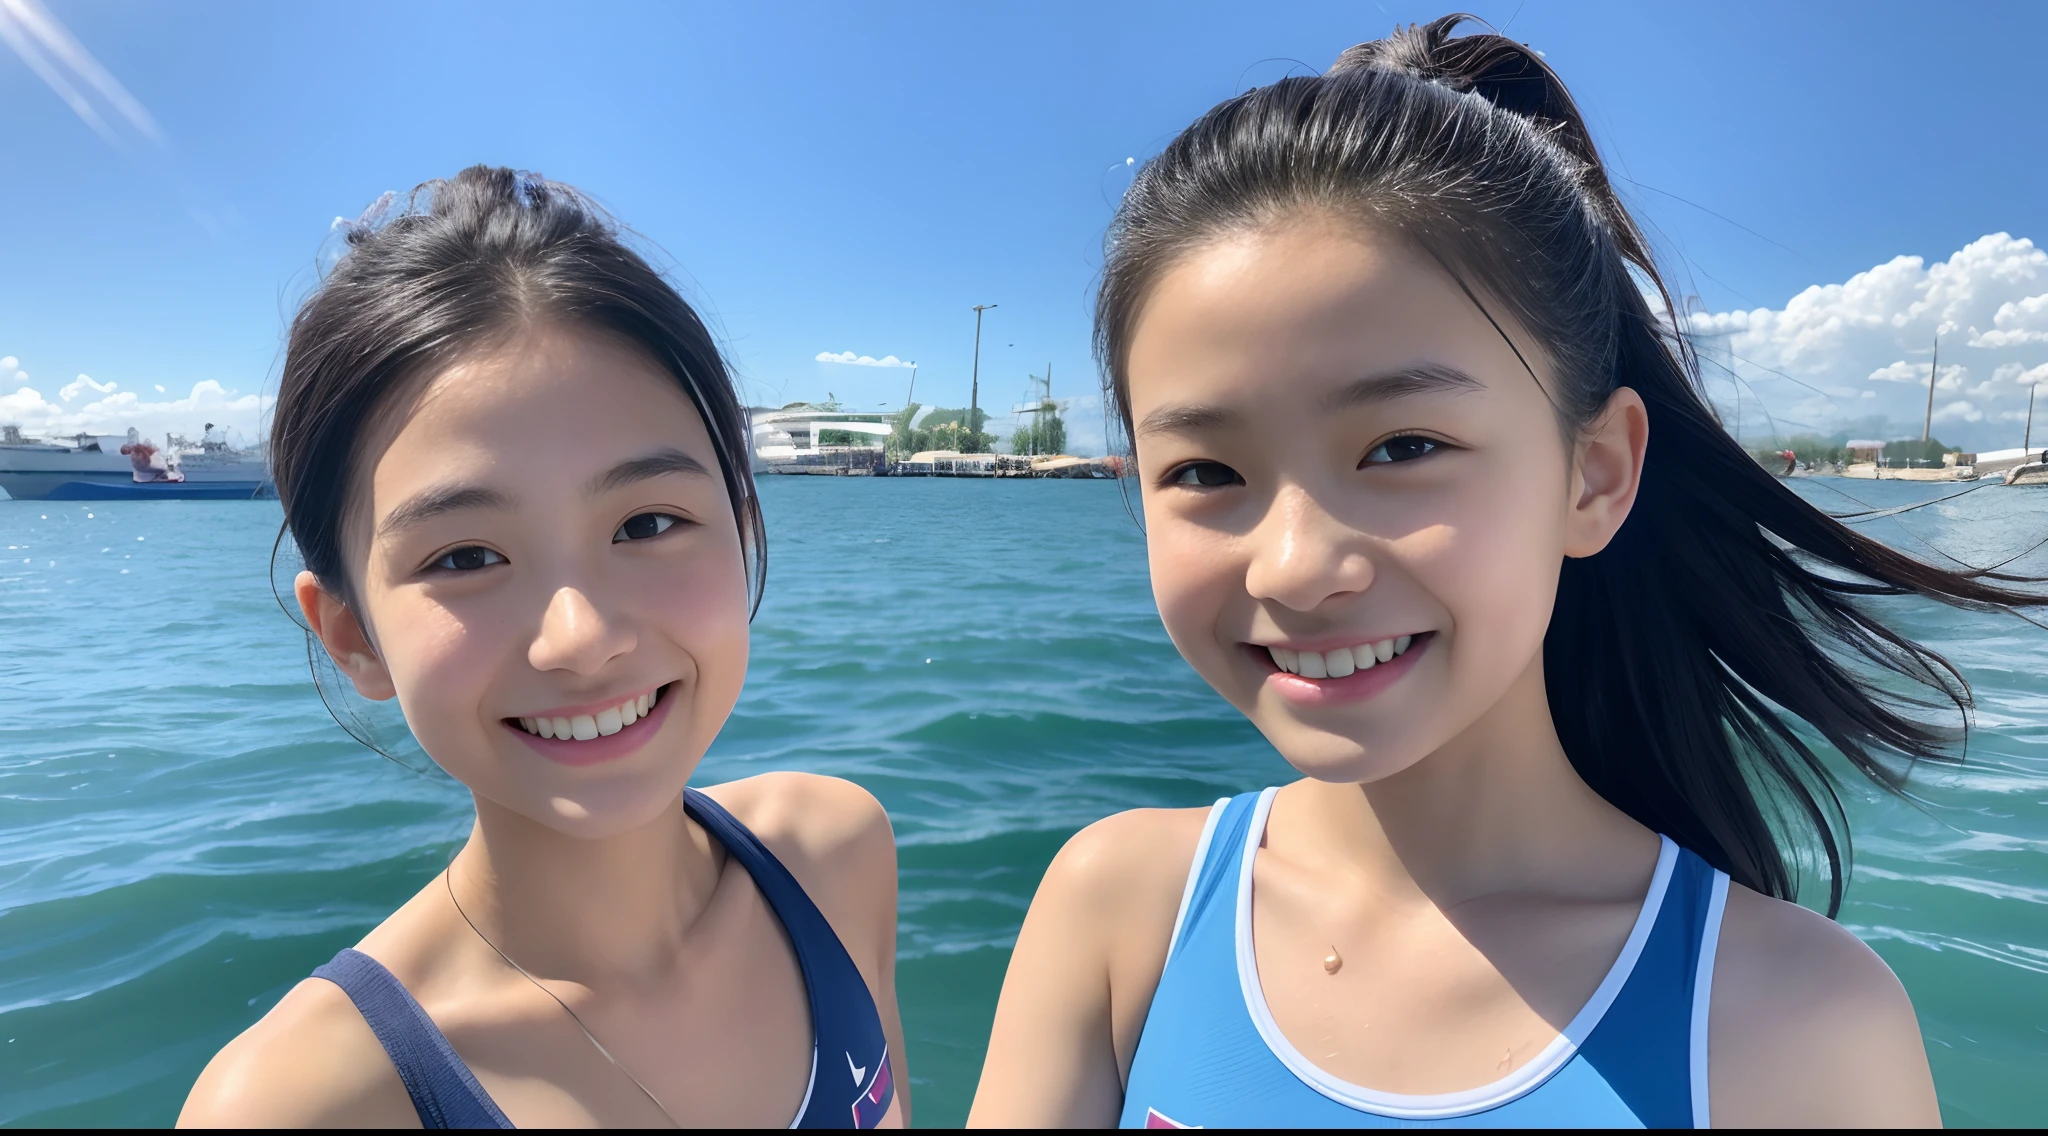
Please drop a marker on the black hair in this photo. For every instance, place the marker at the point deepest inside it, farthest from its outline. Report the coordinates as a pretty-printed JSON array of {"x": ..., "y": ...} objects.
[
  {"x": 461, "y": 265},
  {"x": 1726, "y": 609}
]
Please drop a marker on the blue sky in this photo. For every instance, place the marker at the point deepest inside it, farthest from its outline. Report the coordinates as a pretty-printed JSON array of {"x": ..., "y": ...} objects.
[{"x": 830, "y": 178}]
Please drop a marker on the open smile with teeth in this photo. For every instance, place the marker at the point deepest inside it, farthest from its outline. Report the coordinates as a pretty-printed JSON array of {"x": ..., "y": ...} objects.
[
  {"x": 1341, "y": 662},
  {"x": 602, "y": 724}
]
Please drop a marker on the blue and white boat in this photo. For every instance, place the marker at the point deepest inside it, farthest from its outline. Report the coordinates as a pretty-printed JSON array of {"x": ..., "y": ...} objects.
[{"x": 93, "y": 467}]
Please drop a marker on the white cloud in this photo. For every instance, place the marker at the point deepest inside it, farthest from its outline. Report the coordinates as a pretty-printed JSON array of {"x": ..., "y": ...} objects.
[
  {"x": 117, "y": 410},
  {"x": 83, "y": 383},
  {"x": 1866, "y": 345},
  {"x": 1958, "y": 411},
  {"x": 9, "y": 362},
  {"x": 2025, "y": 321},
  {"x": 852, "y": 360}
]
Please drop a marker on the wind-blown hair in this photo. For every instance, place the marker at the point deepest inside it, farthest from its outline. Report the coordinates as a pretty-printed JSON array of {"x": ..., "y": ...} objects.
[
  {"x": 461, "y": 267},
  {"x": 1726, "y": 609}
]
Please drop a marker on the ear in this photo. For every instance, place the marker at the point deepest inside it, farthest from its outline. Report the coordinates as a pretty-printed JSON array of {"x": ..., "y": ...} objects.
[
  {"x": 342, "y": 634},
  {"x": 1607, "y": 472}
]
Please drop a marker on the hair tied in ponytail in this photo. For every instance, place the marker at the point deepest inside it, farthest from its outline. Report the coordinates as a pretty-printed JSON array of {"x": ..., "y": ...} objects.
[{"x": 1509, "y": 74}]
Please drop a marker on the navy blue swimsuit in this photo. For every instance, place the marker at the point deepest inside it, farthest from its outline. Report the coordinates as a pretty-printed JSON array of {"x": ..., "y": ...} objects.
[{"x": 844, "y": 1024}]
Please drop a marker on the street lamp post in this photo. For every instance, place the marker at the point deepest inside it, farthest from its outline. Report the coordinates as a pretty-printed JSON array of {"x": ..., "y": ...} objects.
[{"x": 974, "y": 397}]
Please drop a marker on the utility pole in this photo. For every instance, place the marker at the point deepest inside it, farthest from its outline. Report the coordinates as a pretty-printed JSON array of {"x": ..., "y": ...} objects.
[
  {"x": 1048, "y": 392},
  {"x": 1933, "y": 369},
  {"x": 974, "y": 398},
  {"x": 2027, "y": 443}
]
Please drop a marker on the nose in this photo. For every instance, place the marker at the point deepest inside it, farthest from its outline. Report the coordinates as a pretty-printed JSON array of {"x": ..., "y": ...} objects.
[
  {"x": 576, "y": 637},
  {"x": 1303, "y": 556}
]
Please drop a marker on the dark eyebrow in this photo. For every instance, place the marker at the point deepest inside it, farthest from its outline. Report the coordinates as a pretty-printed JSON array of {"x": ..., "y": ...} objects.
[
  {"x": 1425, "y": 378},
  {"x": 431, "y": 503},
  {"x": 656, "y": 464},
  {"x": 1185, "y": 418}
]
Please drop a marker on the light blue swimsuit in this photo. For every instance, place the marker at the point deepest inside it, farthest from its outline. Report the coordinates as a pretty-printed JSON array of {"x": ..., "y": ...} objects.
[{"x": 1211, "y": 1056}]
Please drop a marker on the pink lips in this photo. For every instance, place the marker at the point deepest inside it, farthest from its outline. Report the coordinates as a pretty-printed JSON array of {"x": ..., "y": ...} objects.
[
  {"x": 608, "y": 747},
  {"x": 1354, "y": 687}
]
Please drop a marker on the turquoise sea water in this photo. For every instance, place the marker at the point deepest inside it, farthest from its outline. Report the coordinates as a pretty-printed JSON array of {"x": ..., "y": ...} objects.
[{"x": 184, "y": 833}]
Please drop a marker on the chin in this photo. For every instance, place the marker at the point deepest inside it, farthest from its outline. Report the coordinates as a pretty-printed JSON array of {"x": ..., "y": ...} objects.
[
  {"x": 595, "y": 810},
  {"x": 1337, "y": 758}
]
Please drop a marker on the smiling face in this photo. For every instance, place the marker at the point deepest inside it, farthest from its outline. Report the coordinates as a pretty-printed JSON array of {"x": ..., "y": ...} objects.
[
  {"x": 1357, "y": 499},
  {"x": 542, "y": 535}
]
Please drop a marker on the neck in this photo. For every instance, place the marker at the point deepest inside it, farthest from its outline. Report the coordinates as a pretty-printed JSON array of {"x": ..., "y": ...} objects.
[
  {"x": 1498, "y": 809},
  {"x": 586, "y": 910}
]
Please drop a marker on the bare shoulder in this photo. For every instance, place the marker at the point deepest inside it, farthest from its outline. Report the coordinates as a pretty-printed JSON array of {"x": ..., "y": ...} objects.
[
  {"x": 1808, "y": 1026},
  {"x": 820, "y": 827},
  {"x": 311, "y": 1062},
  {"x": 1108, "y": 903},
  {"x": 1081, "y": 978},
  {"x": 835, "y": 838},
  {"x": 1126, "y": 864}
]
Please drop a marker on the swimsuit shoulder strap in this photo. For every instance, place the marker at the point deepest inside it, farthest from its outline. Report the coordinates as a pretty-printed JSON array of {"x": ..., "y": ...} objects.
[
  {"x": 1651, "y": 1044},
  {"x": 443, "y": 1090},
  {"x": 844, "y": 1023},
  {"x": 1212, "y": 874}
]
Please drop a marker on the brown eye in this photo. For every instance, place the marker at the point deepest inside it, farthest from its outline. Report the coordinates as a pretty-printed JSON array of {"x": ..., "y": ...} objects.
[
  {"x": 1205, "y": 474},
  {"x": 641, "y": 526},
  {"x": 1406, "y": 447},
  {"x": 468, "y": 558}
]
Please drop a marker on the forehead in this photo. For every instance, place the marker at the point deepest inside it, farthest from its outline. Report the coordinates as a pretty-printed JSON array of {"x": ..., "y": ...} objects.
[
  {"x": 549, "y": 404},
  {"x": 1302, "y": 306}
]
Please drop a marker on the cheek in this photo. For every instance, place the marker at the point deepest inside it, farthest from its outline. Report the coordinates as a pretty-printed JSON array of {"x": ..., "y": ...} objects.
[
  {"x": 701, "y": 606},
  {"x": 1492, "y": 560},
  {"x": 441, "y": 664},
  {"x": 1193, "y": 578}
]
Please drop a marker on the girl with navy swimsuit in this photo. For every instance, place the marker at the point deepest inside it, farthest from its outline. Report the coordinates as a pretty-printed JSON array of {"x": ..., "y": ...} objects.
[
  {"x": 516, "y": 467},
  {"x": 1431, "y": 494}
]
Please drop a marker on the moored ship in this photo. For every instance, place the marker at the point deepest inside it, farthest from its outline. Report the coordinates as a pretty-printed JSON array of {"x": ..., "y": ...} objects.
[{"x": 113, "y": 467}]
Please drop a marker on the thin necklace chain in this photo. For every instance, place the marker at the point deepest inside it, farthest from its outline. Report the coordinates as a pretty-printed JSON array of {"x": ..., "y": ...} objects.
[{"x": 449, "y": 878}]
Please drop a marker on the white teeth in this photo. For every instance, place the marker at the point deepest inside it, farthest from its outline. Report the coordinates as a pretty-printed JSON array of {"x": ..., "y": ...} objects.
[
  {"x": 1342, "y": 661},
  {"x": 647, "y": 701},
  {"x": 584, "y": 727}
]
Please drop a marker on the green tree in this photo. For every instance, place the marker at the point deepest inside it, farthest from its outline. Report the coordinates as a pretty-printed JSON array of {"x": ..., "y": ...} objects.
[
  {"x": 1046, "y": 433},
  {"x": 1913, "y": 449},
  {"x": 950, "y": 430},
  {"x": 942, "y": 429}
]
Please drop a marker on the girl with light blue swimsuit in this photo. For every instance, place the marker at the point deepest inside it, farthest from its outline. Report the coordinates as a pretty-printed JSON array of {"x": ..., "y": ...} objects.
[{"x": 1433, "y": 496}]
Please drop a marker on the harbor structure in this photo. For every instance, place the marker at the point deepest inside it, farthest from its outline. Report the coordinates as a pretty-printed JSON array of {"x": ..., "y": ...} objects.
[
  {"x": 116, "y": 467},
  {"x": 805, "y": 438}
]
